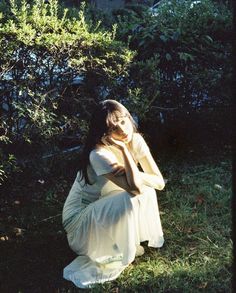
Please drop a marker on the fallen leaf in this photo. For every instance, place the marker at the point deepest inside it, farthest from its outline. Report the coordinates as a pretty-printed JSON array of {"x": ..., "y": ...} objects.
[
  {"x": 203, "y": 285},
  {"x": 200, "y": 199},
  {"x": 18, "y": 231},
  {"x": 41, "y": 181},
  {"x": 10, "y": 218},
  {"x": 190, "y": 230},
  {"x": 192, "y": 248},
  {"x": 217, "y": 186},
  {"x": 206, "y": 258},
  {"x": 194, "y": 215}
]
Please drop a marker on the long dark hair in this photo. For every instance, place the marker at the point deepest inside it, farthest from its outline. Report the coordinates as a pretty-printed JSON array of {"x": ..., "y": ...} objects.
[{"x": 100, "y": 124}]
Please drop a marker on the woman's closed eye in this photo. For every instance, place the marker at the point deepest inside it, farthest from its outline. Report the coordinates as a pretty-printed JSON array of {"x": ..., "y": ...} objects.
[{"x": 116, "y": 127}]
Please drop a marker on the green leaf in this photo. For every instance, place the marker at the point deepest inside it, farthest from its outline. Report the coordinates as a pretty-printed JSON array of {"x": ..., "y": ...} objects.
[
  {"x": 168, "y": 57},
  {"x": 164, "y": 38},
  {"x": 209, "y": 39}
]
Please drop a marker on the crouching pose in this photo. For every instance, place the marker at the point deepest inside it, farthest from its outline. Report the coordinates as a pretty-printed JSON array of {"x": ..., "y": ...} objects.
[{"x": 112, "y": 205}]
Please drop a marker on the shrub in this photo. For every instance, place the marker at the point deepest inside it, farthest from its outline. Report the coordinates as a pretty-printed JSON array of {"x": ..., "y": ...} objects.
[
  {"x": 55, "y": 65},
  {"x": 183, "y": 61}
]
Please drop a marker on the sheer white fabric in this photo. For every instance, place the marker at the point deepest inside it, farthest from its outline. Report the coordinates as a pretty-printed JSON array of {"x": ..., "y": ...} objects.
[{"x": 105, "y": 224}]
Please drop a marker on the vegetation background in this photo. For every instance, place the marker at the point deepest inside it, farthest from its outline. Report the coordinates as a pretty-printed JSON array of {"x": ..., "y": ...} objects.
[{"x": 171, "y": 67}]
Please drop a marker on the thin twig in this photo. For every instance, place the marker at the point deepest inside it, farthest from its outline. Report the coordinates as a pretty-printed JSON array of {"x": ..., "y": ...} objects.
[
  {"x": 49, "y": 218},
  {"x": 164, "y": 109},
  {"x": 203, "y": 172}
]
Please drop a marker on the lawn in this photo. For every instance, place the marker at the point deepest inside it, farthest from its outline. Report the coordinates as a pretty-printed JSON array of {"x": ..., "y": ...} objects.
[{"x": 196, "y": 217}]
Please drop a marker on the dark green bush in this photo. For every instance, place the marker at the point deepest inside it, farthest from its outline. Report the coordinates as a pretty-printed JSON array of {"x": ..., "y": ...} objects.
[
  {"x": 183, "y": 65},
  {"x": 55, "y": 65},
  {"x": 171, "y": 67}
]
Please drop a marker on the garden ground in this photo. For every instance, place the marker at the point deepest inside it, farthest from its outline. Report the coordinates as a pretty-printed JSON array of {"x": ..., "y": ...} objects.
[{"x": 196, "y": 217}]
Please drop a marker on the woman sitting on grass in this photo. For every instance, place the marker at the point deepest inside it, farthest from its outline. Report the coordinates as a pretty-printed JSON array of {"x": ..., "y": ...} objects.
[{"x": 112, "y": 205}]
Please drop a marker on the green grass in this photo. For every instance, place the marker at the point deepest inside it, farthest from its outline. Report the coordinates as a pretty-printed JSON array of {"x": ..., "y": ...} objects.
[{"x": 196, "y": 219}]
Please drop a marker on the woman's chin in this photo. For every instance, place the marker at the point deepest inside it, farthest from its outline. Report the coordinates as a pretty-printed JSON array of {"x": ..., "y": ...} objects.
[{"x": 127, "y": 139}]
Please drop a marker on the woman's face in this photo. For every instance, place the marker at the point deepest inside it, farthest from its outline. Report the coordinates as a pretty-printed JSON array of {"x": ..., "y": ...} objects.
[{"x": 122, "y": 129}]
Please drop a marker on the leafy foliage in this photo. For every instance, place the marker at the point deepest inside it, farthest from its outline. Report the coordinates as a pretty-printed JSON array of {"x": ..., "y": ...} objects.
[
  {"x": 181, "y": 76},
  {"x": 54, "y": 66},
  {"x": 48, "y": 52},
  {"x": 170, "y": 66},
  {"x": 185, "y": 46}
]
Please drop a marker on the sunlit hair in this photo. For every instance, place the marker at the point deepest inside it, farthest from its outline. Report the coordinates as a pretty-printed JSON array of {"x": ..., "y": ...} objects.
[{"x": 102, "y": 121}]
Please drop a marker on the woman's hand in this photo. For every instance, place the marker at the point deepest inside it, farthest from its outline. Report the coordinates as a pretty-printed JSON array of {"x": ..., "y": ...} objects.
[
  {"x": 108, "y": 140},
  {"x": 120, "y": 144}
]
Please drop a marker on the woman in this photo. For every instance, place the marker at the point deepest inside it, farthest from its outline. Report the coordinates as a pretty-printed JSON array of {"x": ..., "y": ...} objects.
[{"x": 112, "y": 205}]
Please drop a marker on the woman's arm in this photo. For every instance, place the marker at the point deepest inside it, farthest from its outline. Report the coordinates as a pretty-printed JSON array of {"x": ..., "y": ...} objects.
[
  {"x": 121, "y": 181},
  {"x": 131, "y": 180},
  {"x": 132, "y": 172},
  {"x": 151, "y": 176}
]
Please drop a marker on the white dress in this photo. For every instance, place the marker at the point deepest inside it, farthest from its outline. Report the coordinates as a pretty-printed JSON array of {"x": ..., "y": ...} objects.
[{"x": 104, "y": 223}]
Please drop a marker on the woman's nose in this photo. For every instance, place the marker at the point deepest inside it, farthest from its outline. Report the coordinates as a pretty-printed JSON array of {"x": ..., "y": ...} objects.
[{"x": 121, "y": 129}]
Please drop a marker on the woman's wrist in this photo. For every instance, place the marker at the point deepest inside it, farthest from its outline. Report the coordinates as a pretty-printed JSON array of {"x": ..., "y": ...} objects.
[{"x": 124, "y": 148}]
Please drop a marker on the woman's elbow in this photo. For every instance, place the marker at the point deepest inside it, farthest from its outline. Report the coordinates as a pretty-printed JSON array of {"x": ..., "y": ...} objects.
[{"x": 161, "y": 185}]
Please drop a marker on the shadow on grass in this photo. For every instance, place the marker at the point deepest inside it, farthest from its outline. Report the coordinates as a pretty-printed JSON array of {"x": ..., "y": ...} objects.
[
  {"x": 34, "y": 262},
  {"x": 36, "y": 265}
]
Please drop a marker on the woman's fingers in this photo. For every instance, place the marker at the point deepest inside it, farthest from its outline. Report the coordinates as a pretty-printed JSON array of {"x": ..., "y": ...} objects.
[{"x": 119, "y": 143}]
